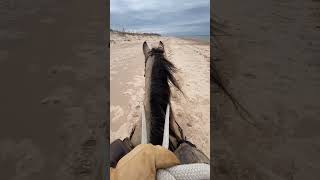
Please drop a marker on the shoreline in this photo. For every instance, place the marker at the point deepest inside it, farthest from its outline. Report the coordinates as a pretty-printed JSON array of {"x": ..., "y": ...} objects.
[{"x": 199, "y": 41}]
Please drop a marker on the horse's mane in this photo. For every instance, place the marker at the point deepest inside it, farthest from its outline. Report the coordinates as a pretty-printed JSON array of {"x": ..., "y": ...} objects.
[{"x": 161, "y": 78}]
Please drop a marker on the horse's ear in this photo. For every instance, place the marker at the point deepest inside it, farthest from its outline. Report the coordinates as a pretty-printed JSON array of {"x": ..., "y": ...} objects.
[
  {"x": 145, "y": 49},
  {"x": 161, "y": 45}
]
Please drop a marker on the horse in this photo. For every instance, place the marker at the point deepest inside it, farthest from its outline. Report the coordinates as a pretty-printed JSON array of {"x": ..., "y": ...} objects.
[{"x": 159, "y": 74}]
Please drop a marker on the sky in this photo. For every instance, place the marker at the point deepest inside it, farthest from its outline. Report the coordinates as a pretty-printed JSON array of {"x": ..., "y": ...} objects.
[{"x": 167, "y": 17}]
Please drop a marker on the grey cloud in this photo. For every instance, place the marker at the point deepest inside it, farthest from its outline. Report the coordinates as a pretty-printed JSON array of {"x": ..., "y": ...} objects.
[{"x": 179, "y": 19}]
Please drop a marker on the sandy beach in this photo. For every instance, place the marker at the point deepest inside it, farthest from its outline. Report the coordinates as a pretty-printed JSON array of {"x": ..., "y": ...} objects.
[{"x": 192, "y": 111}]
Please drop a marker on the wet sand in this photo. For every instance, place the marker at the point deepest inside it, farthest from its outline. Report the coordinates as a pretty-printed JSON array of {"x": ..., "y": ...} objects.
[
  {"x": 270, "y": 63},
  {"x": 127, "y": 85}
]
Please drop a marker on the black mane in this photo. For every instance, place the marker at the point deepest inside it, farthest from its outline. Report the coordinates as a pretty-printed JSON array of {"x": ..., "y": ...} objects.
[{"x": 161, "y": 77}]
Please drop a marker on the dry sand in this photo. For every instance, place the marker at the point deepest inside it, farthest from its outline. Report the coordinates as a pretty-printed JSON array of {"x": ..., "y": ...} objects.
[{"x": 127, "y": 85}]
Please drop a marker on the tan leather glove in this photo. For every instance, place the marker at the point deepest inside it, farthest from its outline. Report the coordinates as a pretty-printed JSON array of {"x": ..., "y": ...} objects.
[{"x": 142, "y": 162}]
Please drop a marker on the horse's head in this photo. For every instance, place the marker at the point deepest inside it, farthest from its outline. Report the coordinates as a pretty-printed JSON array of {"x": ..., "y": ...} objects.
[
  {"x": 150, "y": 53},
  {"x": 147, "y": 50}
]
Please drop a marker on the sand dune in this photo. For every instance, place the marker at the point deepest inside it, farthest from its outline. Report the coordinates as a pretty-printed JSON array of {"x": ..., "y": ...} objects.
[{"x": 192, "y": 111}]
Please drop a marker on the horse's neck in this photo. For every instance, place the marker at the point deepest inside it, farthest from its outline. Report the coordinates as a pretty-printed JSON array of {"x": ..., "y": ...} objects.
[{"x": 155, "y": 101}]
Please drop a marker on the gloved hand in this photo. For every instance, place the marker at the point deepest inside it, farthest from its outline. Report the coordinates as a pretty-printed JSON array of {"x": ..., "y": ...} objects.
[{"x": 142, "y": 163}]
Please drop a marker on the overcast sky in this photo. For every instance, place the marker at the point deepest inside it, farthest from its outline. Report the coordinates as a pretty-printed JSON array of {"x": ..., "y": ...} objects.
[{"x": 172, "y": 17}]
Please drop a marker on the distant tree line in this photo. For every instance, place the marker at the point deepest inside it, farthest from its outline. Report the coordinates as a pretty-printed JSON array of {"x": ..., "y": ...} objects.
[{"x": 124, "y": 32}]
